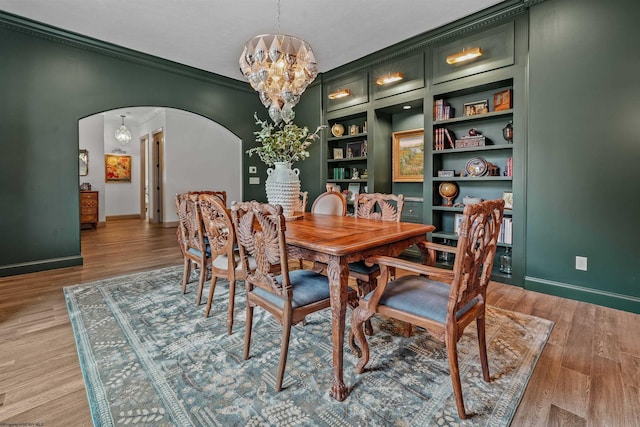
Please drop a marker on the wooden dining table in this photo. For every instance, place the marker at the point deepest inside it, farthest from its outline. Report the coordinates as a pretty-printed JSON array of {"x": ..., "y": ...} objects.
[{"x": 337, "y": 241}]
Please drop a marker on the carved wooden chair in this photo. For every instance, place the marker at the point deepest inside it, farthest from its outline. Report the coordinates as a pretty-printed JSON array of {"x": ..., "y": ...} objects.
[
  {"x": 195, "y": 248},
  {"x": 444, "y": 309},
  {"x": 384, "y": 207},
  {"x": 288, "y": 295},
  {"x": 330, "y": 203},
  {"x": 225, "y": 259}
]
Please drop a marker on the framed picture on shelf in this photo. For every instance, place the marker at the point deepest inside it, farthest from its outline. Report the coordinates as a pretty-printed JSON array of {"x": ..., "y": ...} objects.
[
  {"x": 354, "y": 149},
  {"x": 477, "y": 107},
  {"x": 338, "y": 153},
  {"x": 117, "y": 168},
  {"x": 502, "y": 100},
  {"x": 354, "y": 190},
  {"x": 507, "y": 196},
  {"x": 457, "y": 222},
  {"x": 408, "y": 156}
]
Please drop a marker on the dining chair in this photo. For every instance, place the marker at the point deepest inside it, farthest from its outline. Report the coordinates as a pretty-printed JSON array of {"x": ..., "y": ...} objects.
[
  {"x": 384, "y": 207},
  {"x": 330, "y": 203},
  {"x": 225, "y": 262},
  {"x": 195, "y": 249},
  {"x": 444, "y": 309},
  {"x": 288, "y": 295}
]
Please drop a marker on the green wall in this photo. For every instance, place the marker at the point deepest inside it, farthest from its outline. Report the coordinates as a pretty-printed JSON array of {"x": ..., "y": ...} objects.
[
  {"x": 583, "y": 151},
  {"x": 583, "y": 95},
  {"x": 47, "y": 86}
]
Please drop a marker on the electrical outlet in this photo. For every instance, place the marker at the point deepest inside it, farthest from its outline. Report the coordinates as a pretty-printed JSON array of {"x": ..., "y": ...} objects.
[
  {"x": 581, "y": 263},
  {"x": 253, "y": 169},
  {"x": 254, "y": 180}
]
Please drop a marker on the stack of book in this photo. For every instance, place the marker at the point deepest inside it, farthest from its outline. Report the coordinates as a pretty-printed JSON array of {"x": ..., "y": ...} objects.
[
  {"x": 442, "y": 110},
  {"x": 339, "y": 173},
  {"x": 506, "y": 231},
  {"x": 443, "y": 138},
  {"x": 509, "y": 167}
]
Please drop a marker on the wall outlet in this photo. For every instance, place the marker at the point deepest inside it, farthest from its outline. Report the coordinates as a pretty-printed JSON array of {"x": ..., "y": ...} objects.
[
  {"x": 581, "y": 263},
  {"x": 253, "y": 169},
  {"x": 254, "y": 180}
]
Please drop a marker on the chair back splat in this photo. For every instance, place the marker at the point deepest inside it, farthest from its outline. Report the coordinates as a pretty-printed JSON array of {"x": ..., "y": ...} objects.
[
  {"x": 221, "y": 239},
  {"x": 445, "y": 309}
]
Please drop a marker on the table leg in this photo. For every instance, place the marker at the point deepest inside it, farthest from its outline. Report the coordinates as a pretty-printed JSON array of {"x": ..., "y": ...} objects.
[{"x": 338, "y": 274}]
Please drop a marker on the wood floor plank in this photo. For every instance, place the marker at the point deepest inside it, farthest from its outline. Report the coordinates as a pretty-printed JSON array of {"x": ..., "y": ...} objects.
[
  {"x": 572, "y": 392},
  {"x": 559, "y": 417},
  {"x": 537, "y": 399},
  {"x": 41, "y": 381}
]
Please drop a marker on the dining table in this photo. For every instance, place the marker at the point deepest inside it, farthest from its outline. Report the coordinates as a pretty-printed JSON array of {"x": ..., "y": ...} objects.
[{"x": 337, "y": 241}]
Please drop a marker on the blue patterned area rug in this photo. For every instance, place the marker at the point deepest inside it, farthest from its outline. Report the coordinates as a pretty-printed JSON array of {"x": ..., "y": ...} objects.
[{"x": 150, "y": 358}]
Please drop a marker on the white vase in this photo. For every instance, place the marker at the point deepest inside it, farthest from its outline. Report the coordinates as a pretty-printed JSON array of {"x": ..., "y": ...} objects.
[{"x": 283, "y": 187}]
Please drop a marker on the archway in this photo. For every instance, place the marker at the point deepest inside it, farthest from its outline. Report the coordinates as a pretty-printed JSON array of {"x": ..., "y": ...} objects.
[{"x": 195, "y": 153}]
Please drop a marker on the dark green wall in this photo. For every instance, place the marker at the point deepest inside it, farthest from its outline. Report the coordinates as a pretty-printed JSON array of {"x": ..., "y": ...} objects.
[
  {"x": 46, "y": 87},
  {"x": 583, "y": 150}
]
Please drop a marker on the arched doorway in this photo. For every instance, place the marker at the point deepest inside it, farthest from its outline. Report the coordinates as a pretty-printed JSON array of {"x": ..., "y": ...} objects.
[{"x": 192, "y": 152}]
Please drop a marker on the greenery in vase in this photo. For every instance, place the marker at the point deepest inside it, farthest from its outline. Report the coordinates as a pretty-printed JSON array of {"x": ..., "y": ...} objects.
[{"x": 282, "y": 142}]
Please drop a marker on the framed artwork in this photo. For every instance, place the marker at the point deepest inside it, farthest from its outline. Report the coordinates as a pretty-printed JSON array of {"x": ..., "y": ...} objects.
[
  {"x": 117, "y": 168},
  {"x": 477, "y": 107},
  {"x": 338, "y": 153},
  {"x": 408, "y": 156},
  {"x": 354, "y": 149},
  {"x": 502, "y": 100},
  {"x": 507, "y": 196},
  {"x": 83, "y": 158}
]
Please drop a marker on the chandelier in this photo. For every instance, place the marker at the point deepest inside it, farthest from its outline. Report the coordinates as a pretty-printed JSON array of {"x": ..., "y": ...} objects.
[
  {"x": 123, "y": 136},
  {"x": 279, "y": 68}
]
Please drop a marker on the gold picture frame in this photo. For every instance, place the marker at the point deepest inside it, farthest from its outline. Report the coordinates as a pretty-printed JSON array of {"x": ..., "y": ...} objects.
[
  {"x": 408, "y": 156},
  {"x": 117, "y": 168}
]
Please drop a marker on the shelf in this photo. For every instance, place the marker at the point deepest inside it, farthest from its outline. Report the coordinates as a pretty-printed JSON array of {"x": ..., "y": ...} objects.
[
  {"x": 507, "y": 212},
  {"x": 343, "y": 137},
  {"x": 454, "y": 236},
  {"x": 348, "y": 159},
  {"x": 472, "y": 178},
  {"x": 477, "y": 117},
  {"x": 473, "y": 149}
]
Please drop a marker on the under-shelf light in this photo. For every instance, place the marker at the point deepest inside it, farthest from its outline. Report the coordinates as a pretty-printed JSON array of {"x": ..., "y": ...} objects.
[
  {"x": 340, "y": 93},
  {"x": 389, "y": 78},
  {"x": 465, "y": 55}
]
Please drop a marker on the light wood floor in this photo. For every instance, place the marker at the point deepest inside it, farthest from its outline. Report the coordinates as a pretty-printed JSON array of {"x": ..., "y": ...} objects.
[{"x": 588, "y": 374}]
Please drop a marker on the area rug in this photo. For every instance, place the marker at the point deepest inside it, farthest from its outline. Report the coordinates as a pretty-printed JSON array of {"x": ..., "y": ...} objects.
[{"x": 150, "y": 357}]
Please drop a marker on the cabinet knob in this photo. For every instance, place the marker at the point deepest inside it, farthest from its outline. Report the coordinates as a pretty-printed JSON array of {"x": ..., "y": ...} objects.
[{"x": 410, "y": 210}]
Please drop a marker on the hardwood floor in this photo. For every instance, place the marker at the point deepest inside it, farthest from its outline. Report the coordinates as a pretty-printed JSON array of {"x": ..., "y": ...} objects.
[{"x": 587, "y": 375}]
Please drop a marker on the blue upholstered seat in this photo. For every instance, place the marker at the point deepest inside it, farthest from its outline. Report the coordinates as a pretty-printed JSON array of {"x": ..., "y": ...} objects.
[
  {"x": 308, "y": 287},
  {"x": 197, "y": 253},
  {"x": 361, "y": 267},
  {"x": 420, "y": 296}
]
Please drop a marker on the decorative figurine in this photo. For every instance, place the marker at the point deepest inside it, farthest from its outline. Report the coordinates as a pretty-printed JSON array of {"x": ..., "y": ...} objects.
[{"x": 507, "y": 132}]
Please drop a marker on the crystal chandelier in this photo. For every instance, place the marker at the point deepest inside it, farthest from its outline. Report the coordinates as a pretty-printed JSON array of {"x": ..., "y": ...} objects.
[
  {"x": 279, "y": 68},
  {"x": 123, "y": 136}
]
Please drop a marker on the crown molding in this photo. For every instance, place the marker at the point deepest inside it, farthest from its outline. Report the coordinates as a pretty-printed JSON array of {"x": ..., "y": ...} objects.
[
  {"x": 78, "y": 41},
  {"x": 483, "y": 19}
]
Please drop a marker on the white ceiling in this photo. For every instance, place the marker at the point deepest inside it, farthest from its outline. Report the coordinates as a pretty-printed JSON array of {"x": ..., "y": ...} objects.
[{"x": 210, "y": 34}]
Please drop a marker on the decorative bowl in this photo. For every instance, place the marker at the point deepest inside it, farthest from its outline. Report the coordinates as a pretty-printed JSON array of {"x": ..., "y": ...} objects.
[{"x": 337, "y": 129}]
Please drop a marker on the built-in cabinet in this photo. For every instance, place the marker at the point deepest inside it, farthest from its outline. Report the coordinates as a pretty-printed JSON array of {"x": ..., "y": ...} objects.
[
  {"x": 475, "y": 147},
  {"x": 471, "y": 160}
]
